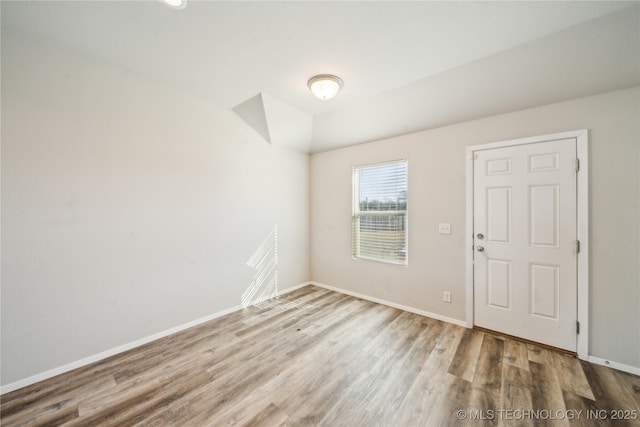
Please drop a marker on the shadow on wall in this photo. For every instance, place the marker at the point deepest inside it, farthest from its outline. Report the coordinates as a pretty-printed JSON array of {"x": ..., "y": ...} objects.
[{"x": 264, "y": 261}]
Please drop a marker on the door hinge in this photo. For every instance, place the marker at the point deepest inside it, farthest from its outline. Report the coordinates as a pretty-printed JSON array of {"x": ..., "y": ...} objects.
[
  {"x": 577, "y": 327},
  {"x": 578, "y": 246},
  {"x": 577, "y": 165}
]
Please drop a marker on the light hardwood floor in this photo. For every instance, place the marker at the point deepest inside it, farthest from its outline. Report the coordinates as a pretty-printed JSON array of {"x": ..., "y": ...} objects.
[{"x": 317, "y": 357}]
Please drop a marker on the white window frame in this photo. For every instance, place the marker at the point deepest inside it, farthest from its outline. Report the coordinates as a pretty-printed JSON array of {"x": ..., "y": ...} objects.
[{"x": 355, "y": 214}]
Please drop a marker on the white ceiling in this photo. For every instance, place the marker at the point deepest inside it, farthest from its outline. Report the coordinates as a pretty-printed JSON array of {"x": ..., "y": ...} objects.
[{"x": 407, "y": 66}]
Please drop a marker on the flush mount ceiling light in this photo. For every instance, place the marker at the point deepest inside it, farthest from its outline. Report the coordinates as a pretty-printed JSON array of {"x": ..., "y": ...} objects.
[
  {"x": 175, "y": 4},
  {"x": 325, "y": 86}
]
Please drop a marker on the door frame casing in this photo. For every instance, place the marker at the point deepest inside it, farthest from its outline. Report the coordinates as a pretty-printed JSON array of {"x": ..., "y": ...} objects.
[{"x": 582, "y": 206}]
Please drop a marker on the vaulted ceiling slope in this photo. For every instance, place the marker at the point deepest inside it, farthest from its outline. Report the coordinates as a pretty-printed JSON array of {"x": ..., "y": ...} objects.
[{"x": 407, "y": 66}]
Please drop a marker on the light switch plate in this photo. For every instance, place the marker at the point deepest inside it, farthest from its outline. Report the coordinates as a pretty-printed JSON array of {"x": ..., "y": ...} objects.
[
  {"x": 444, "y": 228},
  {"x": 446, "y": 296}
]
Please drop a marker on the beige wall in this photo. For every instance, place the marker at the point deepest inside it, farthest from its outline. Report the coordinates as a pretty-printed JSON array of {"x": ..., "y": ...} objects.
[
  {"x": 437, "y": 194},
  {"x": 128, "y": 208}
]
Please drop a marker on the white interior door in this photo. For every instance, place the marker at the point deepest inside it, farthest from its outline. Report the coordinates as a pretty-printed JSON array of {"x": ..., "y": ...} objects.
[{"x": 525, "y": 248}]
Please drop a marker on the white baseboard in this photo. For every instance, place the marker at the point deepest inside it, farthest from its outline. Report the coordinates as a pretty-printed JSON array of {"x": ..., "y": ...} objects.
[
  {"x": 394, "y": 305},
  {"x": 279, "y": 292},
  {"x": 294, "y": 288},
  {"x": 615, "y": 365},
  {"x": 125, "y": 347}
]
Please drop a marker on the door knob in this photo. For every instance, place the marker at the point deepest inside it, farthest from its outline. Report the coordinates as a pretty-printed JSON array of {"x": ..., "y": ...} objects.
[{"x": 480, "y": 248}]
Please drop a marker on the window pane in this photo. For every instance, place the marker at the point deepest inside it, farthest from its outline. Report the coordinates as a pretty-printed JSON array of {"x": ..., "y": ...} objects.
[{"x": 379, "y": 223}]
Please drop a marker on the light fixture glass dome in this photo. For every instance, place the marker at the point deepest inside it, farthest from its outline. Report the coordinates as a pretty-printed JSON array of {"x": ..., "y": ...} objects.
[
  {"x": 175, "y": 4},
  {"x": 325, "y": 86}
]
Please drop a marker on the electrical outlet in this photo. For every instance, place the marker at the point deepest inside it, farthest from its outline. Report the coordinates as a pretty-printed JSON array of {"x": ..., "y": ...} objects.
[
  {"x": 446, "y": 296},
  {"x": 444, "y": 228}
]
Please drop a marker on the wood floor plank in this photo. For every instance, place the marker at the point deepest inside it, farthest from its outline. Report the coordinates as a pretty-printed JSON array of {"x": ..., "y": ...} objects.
[
  {"x": 43, "y": 406},
  {"x": 629, "y": 385},
  {"x": 327, "y": 361},
  {"x": 466, "y": 358},
  {"x": 324, "y": 394},
  {"x": 225, "y": 389},
  {"x": 515, "y": 393},
  {"x": 540, "y": 355},
  {"x": 571, "y": 375},
  {"x": 516, "y": 354},
  {"x": 456, "y": 396},
  {"x": 358, "y": 393},
  {"x": 546, "y": 393},
  {"x": 270, "y": 416},
  {"x": 430, "y": 384},
  {"x": 130, "y": 409},
  {"x": 583, "y": 409},
  {"x": 51, "y": 391},
  {"x": 394, "y": 375},
  {"x": 610, "y": 393},
  {"x": 317, "y": 357},
  {"x": 487, "y": 381}
]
